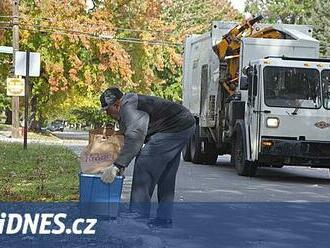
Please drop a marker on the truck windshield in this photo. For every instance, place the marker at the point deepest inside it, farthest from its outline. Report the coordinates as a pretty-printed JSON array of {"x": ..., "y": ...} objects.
[
  {"x": 325, "y": 75},
  {"x": 292, "y": 87}
]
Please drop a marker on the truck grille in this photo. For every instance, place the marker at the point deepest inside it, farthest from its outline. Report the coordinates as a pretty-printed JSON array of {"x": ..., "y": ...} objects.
[{"x": 321, "y": 149}]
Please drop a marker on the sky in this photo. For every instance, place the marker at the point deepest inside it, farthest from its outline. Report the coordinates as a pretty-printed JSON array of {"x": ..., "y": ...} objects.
[
  {"x": 89, "y": 4},
  {"x": 238, "y": 4}
]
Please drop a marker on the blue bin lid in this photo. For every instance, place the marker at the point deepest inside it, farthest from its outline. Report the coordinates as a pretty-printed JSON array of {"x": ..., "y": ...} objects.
[{"x": 96, "y": 175}]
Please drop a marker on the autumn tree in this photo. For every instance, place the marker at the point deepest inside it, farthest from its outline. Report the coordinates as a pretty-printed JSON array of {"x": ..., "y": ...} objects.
[
  {"x": 154, "y": 51},
  {"x": 77, "y": 61},
  {"x": 136, "y": 45},
  {"x": 157, "y": 68}
]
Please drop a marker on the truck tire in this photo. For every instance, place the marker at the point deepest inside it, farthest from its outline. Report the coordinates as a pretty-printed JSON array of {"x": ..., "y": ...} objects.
[
  {"x": 195, "y": 147},
  {"x": 243, "y": 167},
  {"x": 186, "y": 152},
  {"x": 208, "y": 156}
]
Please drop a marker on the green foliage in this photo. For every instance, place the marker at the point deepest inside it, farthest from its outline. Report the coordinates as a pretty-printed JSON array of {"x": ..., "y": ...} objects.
[
  {"x": 4, "y": 102},
  {"x": 315, "y": 13},
  {"x": 286, "y": 11},
  {"x": 195, "y": 16},
  {"x": 321, "y": 23},
  {"x": 89, "y": 115}
]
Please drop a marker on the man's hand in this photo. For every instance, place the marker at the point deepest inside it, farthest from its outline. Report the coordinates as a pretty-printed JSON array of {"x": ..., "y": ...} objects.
[{"x": 110, "y": 174}]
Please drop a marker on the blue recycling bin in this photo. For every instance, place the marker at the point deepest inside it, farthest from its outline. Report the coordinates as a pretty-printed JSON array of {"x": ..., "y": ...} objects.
[{"x": 98, "y": 198}]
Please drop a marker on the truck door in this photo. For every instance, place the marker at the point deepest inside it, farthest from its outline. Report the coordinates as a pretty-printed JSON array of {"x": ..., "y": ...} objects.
[{"x": 254, "y": 113}]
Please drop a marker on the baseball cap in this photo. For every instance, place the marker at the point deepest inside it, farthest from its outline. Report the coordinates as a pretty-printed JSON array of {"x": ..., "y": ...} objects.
[{"x": 109, "y": 97}]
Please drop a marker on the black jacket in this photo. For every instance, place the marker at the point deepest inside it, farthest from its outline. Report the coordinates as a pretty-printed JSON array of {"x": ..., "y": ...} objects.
[{"x": 142, "y": 116}]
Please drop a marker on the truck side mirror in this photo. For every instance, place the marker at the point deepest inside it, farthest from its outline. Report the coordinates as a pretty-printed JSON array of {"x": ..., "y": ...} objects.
[{"x": 244, "y": 83}]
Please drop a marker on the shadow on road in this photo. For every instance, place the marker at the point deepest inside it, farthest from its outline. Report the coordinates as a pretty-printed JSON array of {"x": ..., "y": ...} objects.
[{"x": 288, "y": 174}]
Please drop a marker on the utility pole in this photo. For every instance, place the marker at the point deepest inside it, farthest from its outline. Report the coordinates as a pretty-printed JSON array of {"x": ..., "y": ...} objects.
[{"x": 15, "y": 100}]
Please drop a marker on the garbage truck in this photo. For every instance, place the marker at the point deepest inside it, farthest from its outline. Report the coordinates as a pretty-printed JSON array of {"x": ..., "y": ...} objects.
[{"x": 258, "y": 92}]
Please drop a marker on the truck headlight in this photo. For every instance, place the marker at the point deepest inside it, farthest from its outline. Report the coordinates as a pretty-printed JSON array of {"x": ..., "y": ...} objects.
[{"x": 272, "y": 122}]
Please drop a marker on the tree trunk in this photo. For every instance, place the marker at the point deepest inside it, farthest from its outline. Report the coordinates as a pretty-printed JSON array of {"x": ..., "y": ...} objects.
[{"x": 8, "y": 116}]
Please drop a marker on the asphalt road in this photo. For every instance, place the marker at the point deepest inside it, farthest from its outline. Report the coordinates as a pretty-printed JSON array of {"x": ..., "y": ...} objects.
[
  {"x": 71, "y": 135},
  {"x": 220, "y": 183}
]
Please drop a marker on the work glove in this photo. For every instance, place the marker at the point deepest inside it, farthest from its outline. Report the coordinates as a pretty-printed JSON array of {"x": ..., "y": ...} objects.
[{"x": 110, "y": 173}]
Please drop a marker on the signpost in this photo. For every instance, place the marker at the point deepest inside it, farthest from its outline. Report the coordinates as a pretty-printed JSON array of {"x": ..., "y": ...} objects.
[
  {"x": 21, "y": 64},
  {"x": 27, "y": 64},
  {"x": 26, "y": 99}
]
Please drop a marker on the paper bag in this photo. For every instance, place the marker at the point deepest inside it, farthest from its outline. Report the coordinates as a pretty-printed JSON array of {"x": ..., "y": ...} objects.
[{"x": 103, "y": 149}]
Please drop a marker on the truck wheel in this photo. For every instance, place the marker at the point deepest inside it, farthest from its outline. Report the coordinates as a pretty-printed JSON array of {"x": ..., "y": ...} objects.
[
  {"x": 195, "y": 147},
  {"x": 243, "y": 167},
  {"x": 209, "y": 154},
  {"x": 186, "y": 152}
]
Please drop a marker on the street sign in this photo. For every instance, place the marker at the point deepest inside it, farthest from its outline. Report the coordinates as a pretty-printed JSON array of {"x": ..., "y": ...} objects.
[
  {"x": 15, "y": 87},
  {"x": 20, "y": 64},
  {"x": 6, "y": 49}
]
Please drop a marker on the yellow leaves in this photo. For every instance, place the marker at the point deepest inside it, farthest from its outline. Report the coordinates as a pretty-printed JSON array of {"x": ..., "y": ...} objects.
[
  {"x": 175, "y": 58},
  {"x": 24, "y": 36},
  {"x": 159, "y": 62},
  {"x": 57, "y": 40},
  {"x": 57, "y": 69},
  {"x": 149, "y": 75},
  {"x": 102, "y": 67},
  {"x": 100, "y": 80},
  {"x": 74, "y": 38},
  {"x": 85, "y": 41},
  {"x": 88, "y": 77}
]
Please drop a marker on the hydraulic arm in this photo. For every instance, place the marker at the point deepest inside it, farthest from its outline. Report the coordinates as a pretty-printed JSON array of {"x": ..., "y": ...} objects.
[{"x": 228, "y": 49}]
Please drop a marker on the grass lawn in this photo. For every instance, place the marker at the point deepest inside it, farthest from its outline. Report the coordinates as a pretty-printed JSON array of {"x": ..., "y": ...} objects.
[
  {"x": 41, "y": 173},
  {"x": 42, "y": 136}
]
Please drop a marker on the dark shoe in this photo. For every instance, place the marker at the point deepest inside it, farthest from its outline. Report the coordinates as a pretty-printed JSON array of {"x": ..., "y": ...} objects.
[{"x": 160, "y": 223}]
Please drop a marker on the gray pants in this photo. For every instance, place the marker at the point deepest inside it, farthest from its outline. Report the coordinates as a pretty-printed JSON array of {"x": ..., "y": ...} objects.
[{"x": 157, "y": 164}]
